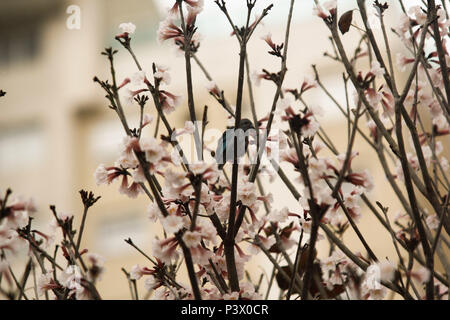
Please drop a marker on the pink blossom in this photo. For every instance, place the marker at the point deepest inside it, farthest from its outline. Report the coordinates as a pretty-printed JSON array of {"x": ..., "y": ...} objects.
[
  {"x": 189, "y": 128},
  {"x": 138, "y": 78},
  {"x": 310, "y": 129},
  {"x": 421, "y": 275},
  {"x": 124, "y": 83},
  {"x": 421, "y": 17},
  {"x": 291, "y": 156},
  {"x": 308, "y": 83},
  {"x": 213, "y": 89},
  {"x": 128, "y": 95},
  {"x": 268, "y": 39},
  {"x": 148, "y": 119},
  {"x": 193, "y": 11},
  {"x": 124, "y": 185},
  {"x": 318, "y": 168},
  {"x": 402, "y": 29},
  {"x": 169, "y": 101},
  {"x": 165, "y": 250},
  {"x": 387, "y": 270},
  {"x": 168, "y": 30},
  {"x": 138, "y": 175},
  {"x": 11, "y": 241},
  {"x": 246, "y": 193},
  {"x": 376, "y": 69},
  {"x": 64, "y": 216},
  {"x": 325, "y": 9},
  {"x": 403, "y": 61},
  {"x": 71, "y": 278},
  {"x": 132, "y": 191},
  {"x": 374, "y": 97},
  {"x": 153, "y": 212},
  {"x": 17, "y": 219},
  {"x": 138, "y": 272},
  {"x": 21, "y": 204},
  {"x": 376, "y": 293},
  {"x": 175, "y": 179},
  {"x": 336, "y": 278},
  {"x": 278, "y": 215},
  {"x": 209, "y": 172},
  {"x": 441, "y": 123},
  {"x": 192, "y": 238},
  {"x": 46, "y": 282},
  {"x": 152, "y": 148},
  {"x": 208, "y": 231},
  {"x": 248, "y": 292},
  {"x": 201, "y": 255},
  {"x": 151, "y": 283},
  {"x": 433, "y": 221},
  {"x": 101, "y": 175},
  {"x": 257, "y": 77},
  {"x": 195, "y": 3},
  {"x": 362, "y": 179},
  {"x": 231, "y": 296},
  {"x": 162, "y": 74},
  {"x": 284, "y": 103},
  {"x": 127, "y": 29},
  {"x": 351, "y": 200},
  {"x": 388, "y": 103},
  {"x": 172, "y": 224}
]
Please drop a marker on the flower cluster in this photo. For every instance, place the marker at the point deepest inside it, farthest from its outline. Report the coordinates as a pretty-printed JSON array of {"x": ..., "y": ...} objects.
[
  {"x": 216, "y": 227},
  {"x": 18, "y": 235},
  {"x": 170, "y": 30}
]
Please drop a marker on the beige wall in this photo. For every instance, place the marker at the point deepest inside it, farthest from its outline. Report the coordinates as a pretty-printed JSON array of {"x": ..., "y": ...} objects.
[{"x": 55, "y": 94}]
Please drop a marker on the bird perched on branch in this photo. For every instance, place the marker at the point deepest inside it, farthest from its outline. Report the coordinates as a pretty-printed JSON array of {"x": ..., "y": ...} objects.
[{"x": 225, "y": 146}]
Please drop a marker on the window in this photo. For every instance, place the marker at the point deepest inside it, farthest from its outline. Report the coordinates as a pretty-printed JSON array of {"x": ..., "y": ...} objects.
[
  {"x": 113, "y": 229},
  {"x": 19, "y": 43},
  {"x": 105, "y": 139},
  {"x": 21, "y": 148}
]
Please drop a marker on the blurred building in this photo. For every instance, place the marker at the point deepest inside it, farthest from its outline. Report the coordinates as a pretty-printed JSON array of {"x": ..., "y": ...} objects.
[{"x": 56, "y": 128}]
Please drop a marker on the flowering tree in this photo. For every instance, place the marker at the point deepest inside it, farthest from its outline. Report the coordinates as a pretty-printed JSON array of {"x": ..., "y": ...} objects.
[{"x": 214, "y": 224}]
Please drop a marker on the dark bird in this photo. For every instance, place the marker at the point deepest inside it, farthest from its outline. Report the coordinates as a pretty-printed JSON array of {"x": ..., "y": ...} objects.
[{"x": 225, "y": 146}]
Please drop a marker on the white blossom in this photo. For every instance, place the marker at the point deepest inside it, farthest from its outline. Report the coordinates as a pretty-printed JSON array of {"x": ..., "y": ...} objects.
[
  {"x": 128, "y": 27},
  {"x": 172, "y": 224}
]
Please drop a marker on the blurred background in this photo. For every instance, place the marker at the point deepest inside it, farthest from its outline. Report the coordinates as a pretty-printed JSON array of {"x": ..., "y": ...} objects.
[{"x": 56, "y": 127}]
